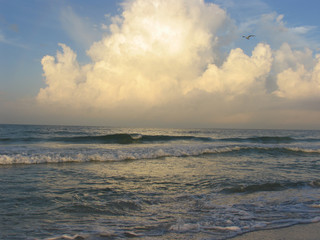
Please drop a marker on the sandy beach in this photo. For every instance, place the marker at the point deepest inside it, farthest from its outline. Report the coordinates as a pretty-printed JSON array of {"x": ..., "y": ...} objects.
[{"x": 297, "y": 232}]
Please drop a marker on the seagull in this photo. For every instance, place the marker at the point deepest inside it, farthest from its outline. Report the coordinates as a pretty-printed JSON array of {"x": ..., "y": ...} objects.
[{"x": 248, "y": 37}]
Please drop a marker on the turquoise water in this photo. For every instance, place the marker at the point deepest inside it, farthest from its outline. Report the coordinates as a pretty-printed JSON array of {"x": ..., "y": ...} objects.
[{"x": 115, "y": 183}]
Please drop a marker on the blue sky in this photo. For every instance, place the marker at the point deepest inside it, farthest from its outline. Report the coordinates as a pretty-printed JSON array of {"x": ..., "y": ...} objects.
[{"x": 30, "y": 30}]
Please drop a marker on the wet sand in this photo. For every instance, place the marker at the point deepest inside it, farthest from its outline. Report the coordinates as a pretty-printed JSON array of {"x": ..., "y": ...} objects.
[{"x": 297, "y": 232}]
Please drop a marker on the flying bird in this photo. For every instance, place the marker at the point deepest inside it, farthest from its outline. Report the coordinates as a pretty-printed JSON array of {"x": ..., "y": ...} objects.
[{"x": 248, "y": 37}]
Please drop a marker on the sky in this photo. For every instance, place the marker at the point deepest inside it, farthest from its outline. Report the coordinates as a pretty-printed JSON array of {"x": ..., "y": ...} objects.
[{"x": 161, "y": 63}]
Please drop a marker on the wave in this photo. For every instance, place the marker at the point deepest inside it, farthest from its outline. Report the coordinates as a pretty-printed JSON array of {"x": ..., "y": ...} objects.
[
  {"x": 263, "y": 139},
  {"x": 132, "y": 138},
  {"x": 273, "y": 186},
  {"x": 118, "y": 138},
  {"x": 48, "y": 155},
  {"x": 272, "y": 139},
  {"x": 110, "y": 155},
  {"x": 186, "y": 229},
  {"x": 135, "y": 138}
]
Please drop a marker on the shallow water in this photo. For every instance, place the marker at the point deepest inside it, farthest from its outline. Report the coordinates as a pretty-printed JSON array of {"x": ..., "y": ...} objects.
[{"x": 112, "y": 183}]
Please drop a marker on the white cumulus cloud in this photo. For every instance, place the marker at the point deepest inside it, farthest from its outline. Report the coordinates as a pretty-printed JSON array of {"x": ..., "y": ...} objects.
[
  {"x": 155, "y": 50},
  {"x": 300, "y": 82},
  {"x": 167, "y": 58},
  {"x": 239, "y": 74}
]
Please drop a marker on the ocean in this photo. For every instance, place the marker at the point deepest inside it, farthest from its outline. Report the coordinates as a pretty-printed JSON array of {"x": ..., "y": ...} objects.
[{"x": 73, "y": 182}]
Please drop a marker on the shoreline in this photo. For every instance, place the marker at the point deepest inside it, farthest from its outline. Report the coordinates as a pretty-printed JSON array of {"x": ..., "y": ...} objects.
[{"x": 308, "y": 231}]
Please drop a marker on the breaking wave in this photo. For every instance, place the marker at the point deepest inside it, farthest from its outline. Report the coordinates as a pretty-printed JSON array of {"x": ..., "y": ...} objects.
[{"x": 140, "y": 153}]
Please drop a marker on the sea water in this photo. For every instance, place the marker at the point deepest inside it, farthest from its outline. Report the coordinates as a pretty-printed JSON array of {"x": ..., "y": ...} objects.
[{"x": 63, "y": 182}]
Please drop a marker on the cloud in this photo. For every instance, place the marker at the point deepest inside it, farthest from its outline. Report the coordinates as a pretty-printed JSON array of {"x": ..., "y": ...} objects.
[
  {"x": 272, "y": 28},
  {"x": 155, "y": 49},
  {"x": 165, "y": 61},
  {"x": 80, "y": 30},
  {"x": 239, "y": 74},
  {"x": 302, "y": 29},
  {"x": 299, "y": 82},
  {"x": 12, "y": 42},
  {"x": 9, "y": 33},
  {"x": 104, "y": 26}
]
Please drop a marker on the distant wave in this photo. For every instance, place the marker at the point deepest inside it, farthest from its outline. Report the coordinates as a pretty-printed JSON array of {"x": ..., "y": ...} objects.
[
  {"x": 125, "y": 138},
  {"x": 119, "y": 138},
  {"x": 271, "y": 139},
  {"x": 263, "y": 139}
]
